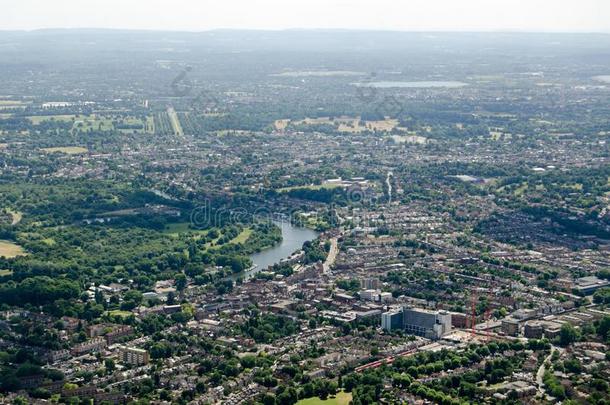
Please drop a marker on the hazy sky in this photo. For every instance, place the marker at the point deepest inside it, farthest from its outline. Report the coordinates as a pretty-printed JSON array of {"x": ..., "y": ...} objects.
[{"x": 416, "y": 15}]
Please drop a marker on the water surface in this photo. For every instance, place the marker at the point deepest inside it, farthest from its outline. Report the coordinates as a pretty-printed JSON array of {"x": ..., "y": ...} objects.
[
  {"x": 414, "y": 85},
  {"x": 293, "y": 238}
]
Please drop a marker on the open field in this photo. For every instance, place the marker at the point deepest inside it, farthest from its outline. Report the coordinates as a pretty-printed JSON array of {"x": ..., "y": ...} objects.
[
  {"x": 37, "y": 119},
  {"x": 93, "y": 122},
  {"x": 182, "y": 227},
  {"x": 150, "y": 125},
  {"x": 122, "y": 314},
  {"x": 343, "y": 124},
  {"x": 49, "y": 241},
  {"x": 97, "y": 122},
  {"x": 242, "y": 237},
  {"x": 342, "y": 398},
  {"x": 175, "y": 122},
  {"x": 9, "y": 249},
  {"x": 69, "y": 150},
  {"x": 174, "y": 230}
]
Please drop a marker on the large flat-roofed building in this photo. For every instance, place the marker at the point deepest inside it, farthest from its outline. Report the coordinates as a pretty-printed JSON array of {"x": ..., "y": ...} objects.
[
  {"x": 392, "y": 320},
  {"x": 419, "y": 322},
  {"x": 429, "y": 324},
  {"x": 134, "y": 356},
  {"x": 533, "y": 330},
  {"x": 510, "y": 326},
  {"x": 588, "y": 285}
]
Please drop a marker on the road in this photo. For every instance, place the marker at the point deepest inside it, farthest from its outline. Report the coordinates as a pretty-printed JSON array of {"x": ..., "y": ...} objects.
[
  {"x": 332, "y": 254},
  {"x": 542, "y": 369}
]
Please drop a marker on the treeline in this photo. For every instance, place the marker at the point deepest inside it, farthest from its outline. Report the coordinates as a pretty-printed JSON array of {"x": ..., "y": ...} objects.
[
  {"x": 38, "y": 290},
  {"x": 323, "y": 195},
  {"x": 570, "y": 223}
]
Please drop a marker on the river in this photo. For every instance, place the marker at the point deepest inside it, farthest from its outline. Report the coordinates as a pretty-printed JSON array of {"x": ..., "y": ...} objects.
[{"x": 293, "y": 238}]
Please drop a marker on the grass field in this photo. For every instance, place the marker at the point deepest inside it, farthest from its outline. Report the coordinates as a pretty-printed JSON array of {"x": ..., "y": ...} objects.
[
  {"x": 182, "y": 227},
  {"x": 122, "y": 314},
  {"x": 342, "y": 398},
  {"x": 49, "y": 241},
  {"x": 242, "y": 237},
  {"x": 521, "y": 190},
  {"x": 98, "y": 122},
  {"x": 93, "y": 122},
  {"x": 174, "y": 230},
  {"x": 178, "y": 227},
  {"x": 9, "y": 249},
  {"x": 175, "y": 122},
  {"x": 5, "y": 272},
  {"x": 150, "y": 125},
  {"x": 69, "y": 150},
  {"x": 344, "y": 124},
  {"x": 37, "y": 119}
]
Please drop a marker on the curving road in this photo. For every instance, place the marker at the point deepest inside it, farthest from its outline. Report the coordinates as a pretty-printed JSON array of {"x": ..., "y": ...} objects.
[
  {"x": 542, "y": 369},
  {"x": 332, "y": 255}
]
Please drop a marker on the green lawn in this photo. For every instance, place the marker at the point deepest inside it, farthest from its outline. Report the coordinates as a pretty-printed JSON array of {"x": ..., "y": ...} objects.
[
  {"x": 37, "y": 119},
  {"x": 342, "y": 398},
  {"x": 178, "y": 227},
  {"x": 122, "y": 314},
  {"x": 9, "y": 249},
  {"x": 182, "y": 227},
  {"x": 242, "y": 237}
]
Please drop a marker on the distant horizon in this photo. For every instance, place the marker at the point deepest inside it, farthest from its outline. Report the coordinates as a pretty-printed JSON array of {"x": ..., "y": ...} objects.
[
  {"x": 186, "y": 31},
  {"x": 546, "y": 16}
]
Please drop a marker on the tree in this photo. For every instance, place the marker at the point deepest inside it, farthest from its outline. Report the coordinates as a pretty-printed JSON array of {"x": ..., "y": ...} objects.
[
  {"x": 171, "y": 298},
  {"x": 110, "y": 365},
  {"x": 603, "y": 329},
  {"x": 180, "y": 282},
  {"x": 268, "y": 399},
  {"x": 20, "y": 401},
  {"x": 131, "y": 299},
  {"x": 602, "y": 296},
  {"x": 568, "y": 334}
]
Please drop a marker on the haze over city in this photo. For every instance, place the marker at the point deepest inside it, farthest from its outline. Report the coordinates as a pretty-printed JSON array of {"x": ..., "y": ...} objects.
[{"x": 402, "y": 15}]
